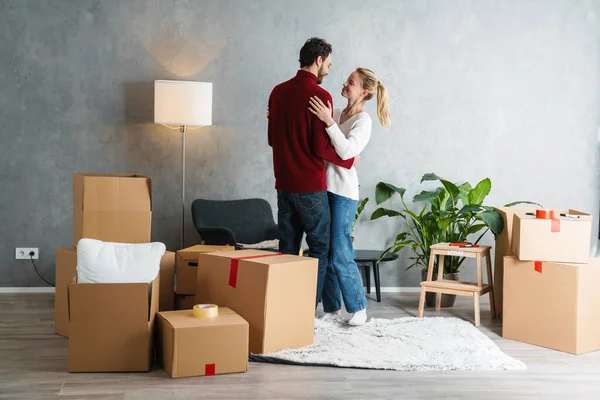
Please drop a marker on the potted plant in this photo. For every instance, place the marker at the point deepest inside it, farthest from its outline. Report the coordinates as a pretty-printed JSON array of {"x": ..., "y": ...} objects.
[
  {"x": 359, "y": 210},
  {"x": 451, "y": 213}
]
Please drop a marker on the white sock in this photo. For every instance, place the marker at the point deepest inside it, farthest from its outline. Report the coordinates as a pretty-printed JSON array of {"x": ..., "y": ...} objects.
[{"x": 358, "y": 318}]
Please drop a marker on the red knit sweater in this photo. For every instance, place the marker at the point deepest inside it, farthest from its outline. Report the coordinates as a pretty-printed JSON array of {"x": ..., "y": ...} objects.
[{"x": 298, "y": 138}]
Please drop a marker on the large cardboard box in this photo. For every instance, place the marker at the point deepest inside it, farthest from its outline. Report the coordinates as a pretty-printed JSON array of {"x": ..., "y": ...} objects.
[
  {"x": 187, "y": 266},
  {"x": 185, "y": 301},
  {"x": 553, "y": 305},
  {"x": 112, "y": 208},
  {"x": 189, "y": 346},
  {"x": 560, "y": 240},
  {"x": 167, "y": 282},
  {"x": 66, "y": 269},
  {"x": 276, "y": 294},
  {"x": 502, "y": 249},
  {"x": 111, "y": 326}
]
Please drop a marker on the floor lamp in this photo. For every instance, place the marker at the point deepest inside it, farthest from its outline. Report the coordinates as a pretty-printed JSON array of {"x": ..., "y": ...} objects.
[{"x": 184, "y": 104}]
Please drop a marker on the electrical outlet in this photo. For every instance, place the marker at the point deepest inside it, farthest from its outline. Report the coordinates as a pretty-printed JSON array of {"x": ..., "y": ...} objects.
[{"x": 22, "y": 253}]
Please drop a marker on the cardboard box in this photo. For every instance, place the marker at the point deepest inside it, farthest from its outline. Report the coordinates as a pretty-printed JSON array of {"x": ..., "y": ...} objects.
[
  {"x": 552, "y": 305},
  {"x": 111, "y": 326},
  {"x": 167, "y": 282},
  {"x": 189, "y": 346},
  {"x": 112, "y": 208},
  {"x": 502, "y": 249},
  {"x": 66, "y": 269},
  {"x": 560, "y": 240},
  {"x": 185, "y": 301},
  {"x": 276, "y": 294},
  {"x": 187, "y": 266}
]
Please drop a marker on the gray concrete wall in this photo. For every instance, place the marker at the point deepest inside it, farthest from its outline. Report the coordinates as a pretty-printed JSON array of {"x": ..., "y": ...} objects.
[{"x": 508, "y": 90}]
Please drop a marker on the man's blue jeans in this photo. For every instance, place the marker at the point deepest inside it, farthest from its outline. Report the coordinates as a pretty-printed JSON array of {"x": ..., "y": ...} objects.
[
  {"x": 342, "y": 271},
  {"x": 299, "y": 213}
]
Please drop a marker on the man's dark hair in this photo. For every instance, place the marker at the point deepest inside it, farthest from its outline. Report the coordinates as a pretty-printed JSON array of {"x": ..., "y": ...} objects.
[{"x": 313, "y": 48}]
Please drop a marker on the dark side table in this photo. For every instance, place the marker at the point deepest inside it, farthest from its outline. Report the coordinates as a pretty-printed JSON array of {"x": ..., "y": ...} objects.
[{"x": 368, "y": 259}]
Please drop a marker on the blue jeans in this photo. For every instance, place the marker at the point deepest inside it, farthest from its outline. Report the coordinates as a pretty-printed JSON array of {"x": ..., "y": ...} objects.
[
  {"x": 299, "y": 213},
  {"x": 342, "y": 271}
]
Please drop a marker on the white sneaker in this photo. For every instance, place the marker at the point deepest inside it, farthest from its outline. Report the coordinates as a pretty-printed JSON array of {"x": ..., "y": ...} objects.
[
  {"x": 331, "y": 316},
  {"x": 358, "y": 318}
]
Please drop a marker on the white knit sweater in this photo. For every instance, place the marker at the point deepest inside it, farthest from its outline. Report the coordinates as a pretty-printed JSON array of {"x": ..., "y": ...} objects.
[{"x": 349, "y": 139}]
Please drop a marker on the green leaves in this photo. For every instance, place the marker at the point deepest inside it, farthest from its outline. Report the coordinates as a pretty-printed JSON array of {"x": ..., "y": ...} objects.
[
  {"x": 384, "y": 191},
  {"x": 514, "y": 203},
  {"x": 450, "y": 213},
  {"x": 465, "y": 188},
  {"x": 427, "y": 195},
  {"x": 470, "y": 208},
  {"x": 359, "y": 210},
  {"x": 430, "y": 177},
  {"x": 480, "y": 192},
  {"x": 493, "y": 220},
  {"x": 384, "y": 212},
  {"x": 451, "y": 188}
]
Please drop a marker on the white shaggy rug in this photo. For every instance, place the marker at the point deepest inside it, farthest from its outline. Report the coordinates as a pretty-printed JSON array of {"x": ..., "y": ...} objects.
[{"x": 402, "y": 344}]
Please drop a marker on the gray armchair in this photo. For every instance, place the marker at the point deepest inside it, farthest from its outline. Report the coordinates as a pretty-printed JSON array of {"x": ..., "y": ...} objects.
[{"x": 229, "y": 222}]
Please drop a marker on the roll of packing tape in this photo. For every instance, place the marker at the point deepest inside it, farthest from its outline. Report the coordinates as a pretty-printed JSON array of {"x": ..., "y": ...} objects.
[
  {"x": 205, "y": 310},
  {"x": 544, "y": 214}
]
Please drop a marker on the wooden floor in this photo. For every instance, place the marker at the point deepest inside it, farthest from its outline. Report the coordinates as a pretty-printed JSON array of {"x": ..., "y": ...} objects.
[{"x": 33, "y": 365}]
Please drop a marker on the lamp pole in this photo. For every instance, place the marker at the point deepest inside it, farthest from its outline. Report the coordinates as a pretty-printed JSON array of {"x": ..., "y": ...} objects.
[{"x": 183, "y": 130}]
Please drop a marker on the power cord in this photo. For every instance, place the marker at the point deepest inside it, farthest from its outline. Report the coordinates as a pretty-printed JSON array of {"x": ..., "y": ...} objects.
[{"x": 31, "y": 254}]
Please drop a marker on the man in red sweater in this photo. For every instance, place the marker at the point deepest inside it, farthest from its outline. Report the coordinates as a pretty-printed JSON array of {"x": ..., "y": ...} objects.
[{"x": 300, "y": 146}]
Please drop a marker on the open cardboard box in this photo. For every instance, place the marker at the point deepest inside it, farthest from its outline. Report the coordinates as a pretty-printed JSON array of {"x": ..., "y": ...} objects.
[
  {"x": 111, "y": 326},
  {"x": 561, "y": 239},
  {"x": 112, "y": 208},
  {"x": 66, "y": 269}
]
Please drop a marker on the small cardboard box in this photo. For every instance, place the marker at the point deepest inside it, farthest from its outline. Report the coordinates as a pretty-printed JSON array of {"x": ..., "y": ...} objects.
[
  {"x": 553, "y": 305},
  {"x": 112, "y": 208},
  {"x": 187, "y": 266},
  {"x": 185, "y": 301},
  {"x": 66, "y": 269},
  {"x": 111, "y": 326},
  {"x": 502, "y": 249},
  {"x": 275, "y": 293},
  {"x": 560, "y": 240},
  {"x": 189, "y": 346},
  {"x": 167, "y": 282}
]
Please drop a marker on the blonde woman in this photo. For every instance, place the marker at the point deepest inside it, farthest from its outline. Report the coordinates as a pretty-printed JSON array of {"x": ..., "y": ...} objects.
[{"x": 350, "y": 131}]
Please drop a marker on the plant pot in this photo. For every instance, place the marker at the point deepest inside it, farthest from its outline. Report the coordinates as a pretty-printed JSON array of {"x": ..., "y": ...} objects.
[{"x": 447, "y": 299}]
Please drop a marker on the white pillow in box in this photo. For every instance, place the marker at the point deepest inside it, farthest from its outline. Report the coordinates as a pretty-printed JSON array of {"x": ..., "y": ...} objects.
[{"x": 106, "y": 262}]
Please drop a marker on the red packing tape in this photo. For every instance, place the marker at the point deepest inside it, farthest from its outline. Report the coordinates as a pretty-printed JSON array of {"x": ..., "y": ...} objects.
[
  {"x": 537, "y": 266},
  {"x": 209, "y": 369},
  {"x": 549, "y": 214},
  {"x": 544, "y": 214},
  {"x": 234, "y": 266}
]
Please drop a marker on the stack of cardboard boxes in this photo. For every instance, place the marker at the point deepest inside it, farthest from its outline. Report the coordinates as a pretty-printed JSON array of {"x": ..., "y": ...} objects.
[
  {"x": 546, "y": 280},
  {"x": 273, "y": 294},
  {"x": 100, "y": 320},
  {"x": 266, "y": 300}
]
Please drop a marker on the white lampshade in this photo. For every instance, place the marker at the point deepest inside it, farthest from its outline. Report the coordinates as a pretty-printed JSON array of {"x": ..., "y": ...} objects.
[{"x": 183, "y": 103}]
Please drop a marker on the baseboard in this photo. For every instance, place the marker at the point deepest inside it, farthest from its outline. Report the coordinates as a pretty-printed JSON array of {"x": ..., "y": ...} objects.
[
  {"x": 26, "y": 290},
  {"x": 388, "y": 289}
]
